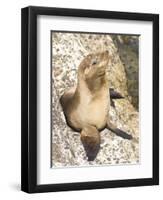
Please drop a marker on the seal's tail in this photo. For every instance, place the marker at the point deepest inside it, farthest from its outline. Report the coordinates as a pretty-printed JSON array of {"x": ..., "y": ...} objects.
[{"x": 119, "y": 132}]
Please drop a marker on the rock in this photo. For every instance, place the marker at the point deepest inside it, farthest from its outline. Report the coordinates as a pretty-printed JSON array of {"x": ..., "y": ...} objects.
[
  {"x": 128, "y": 52},
  {"x": 68, "y": 50}
]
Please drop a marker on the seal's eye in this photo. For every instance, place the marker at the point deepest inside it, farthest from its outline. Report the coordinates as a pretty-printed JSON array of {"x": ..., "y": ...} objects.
[{"x": 94, "y": 62}]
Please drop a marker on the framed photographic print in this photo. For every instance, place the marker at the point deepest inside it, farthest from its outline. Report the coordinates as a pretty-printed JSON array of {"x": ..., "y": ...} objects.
[{"x": 90, "y": 99}]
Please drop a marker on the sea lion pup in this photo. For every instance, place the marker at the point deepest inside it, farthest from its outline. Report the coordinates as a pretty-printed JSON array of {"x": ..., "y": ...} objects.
[{"x": 86, "y": 106}]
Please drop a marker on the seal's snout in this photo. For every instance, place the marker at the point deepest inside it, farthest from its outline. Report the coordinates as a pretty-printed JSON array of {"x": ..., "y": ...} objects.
[
  {"x": 106, "y": 54},
  {"x": 104, "y": 59}
]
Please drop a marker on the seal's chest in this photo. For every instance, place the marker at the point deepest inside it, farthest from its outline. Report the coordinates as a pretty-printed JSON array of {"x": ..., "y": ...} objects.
[{"x": 95, "y": 111}]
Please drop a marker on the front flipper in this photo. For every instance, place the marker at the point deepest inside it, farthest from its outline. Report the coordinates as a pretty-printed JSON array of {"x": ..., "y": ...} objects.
[
  {"x": 90, "y": 138},
  {"x": 114, "y": 94},
  {"x": 118, "y": 132},
  {"x": 112, "y": 103}
]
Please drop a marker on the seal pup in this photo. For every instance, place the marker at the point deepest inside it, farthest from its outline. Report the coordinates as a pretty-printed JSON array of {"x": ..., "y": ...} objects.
[{"x": 86, "y": 106}]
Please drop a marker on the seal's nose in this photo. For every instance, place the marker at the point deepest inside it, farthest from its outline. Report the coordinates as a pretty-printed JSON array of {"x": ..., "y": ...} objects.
[{"x": 106, "y": 53}]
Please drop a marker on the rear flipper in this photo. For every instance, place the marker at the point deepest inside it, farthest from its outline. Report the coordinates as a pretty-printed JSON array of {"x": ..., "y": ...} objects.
[{"x": 119, "y": 132}]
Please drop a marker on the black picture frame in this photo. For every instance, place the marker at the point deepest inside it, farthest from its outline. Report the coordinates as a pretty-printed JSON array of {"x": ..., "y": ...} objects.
[{"x": 29, "y": 99}]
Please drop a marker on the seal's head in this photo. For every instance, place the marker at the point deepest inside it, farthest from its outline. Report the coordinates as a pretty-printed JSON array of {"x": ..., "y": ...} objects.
[
  {"x": 93, "y": 68},
  {"x": 94, "y": 65}
]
